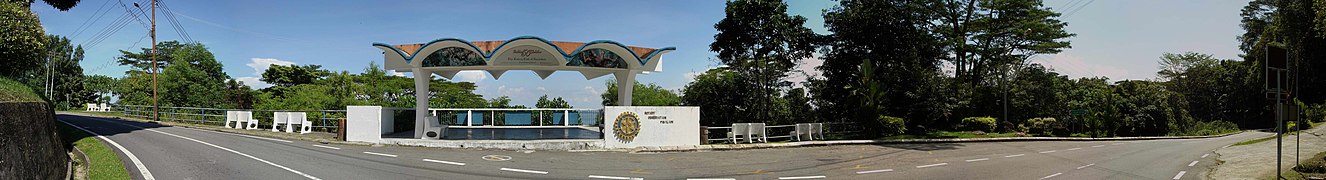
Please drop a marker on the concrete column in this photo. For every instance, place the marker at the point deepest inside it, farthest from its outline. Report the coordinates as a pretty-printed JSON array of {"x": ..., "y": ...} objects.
[
  {"x": 421, "y": 80},
  {"x": 625, "y": 84}
]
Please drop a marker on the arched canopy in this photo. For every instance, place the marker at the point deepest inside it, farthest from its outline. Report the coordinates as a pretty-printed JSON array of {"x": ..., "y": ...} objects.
[{"x": 448, "y": 56}]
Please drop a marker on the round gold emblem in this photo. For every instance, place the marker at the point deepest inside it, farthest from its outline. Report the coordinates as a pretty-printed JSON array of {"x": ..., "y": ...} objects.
[{"x": 627, "y": 126}]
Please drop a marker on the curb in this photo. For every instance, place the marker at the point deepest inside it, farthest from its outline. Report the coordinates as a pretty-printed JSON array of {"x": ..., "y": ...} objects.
[{"x": 727, "y": 147}]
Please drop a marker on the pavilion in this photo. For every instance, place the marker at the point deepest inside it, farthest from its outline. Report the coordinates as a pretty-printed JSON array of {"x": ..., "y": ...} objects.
[{"x": 447, "y": 57}]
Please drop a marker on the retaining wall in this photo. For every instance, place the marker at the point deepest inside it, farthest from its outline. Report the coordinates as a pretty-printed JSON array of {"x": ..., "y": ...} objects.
[{"x": 29, "y": 145}]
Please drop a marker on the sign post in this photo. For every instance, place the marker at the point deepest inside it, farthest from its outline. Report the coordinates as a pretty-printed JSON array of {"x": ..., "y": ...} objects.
[{"x": 1277, "y": 75}]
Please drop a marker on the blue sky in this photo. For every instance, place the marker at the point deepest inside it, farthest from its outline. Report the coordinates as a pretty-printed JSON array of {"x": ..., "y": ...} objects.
[{"x": 1121, "y": 39}]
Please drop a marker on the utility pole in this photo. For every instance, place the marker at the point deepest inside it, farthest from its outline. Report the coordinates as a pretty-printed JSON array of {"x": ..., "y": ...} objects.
[{"x": 155, "y": 108}]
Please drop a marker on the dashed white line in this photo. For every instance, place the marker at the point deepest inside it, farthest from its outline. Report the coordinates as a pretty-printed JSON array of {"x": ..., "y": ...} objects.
[
  {"x": 974, "y": 160},
  {"x": 380, "y": 154},
  {"x": 256, "y": 137},
  {"x": 1052, "y": 175},
  {"x": 1050, "y": 151},
  {"x": 1204, "y": 155},
  {"x": 524, "y": 171},
  {"x": 1180, "y": 175},
  {"x": 611, "y": 177},
  {"x": 1102, "y": 145},
  {"x": 1015, "y": 155},
  {"x": 232, "y": 151},
  {"x": 874, "y": 171},
  {"x": 1116, "y": 144},
  {"x": 711, "y": 179},
  {"x": 1193, "y": 163},
  {"x": 1074, "y": 149},
  {"x": 328, "y": 147},
  {"x": 1088, "y": 165},
  {"x": 932, "y": 165},
  {"x": 445, "y": 162},
  {"x": 137, "y": 163},
  {"x": 803, "y": 177}
]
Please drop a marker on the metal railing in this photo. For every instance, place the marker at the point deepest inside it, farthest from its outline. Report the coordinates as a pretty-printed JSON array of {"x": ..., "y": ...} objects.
[
  {"x": 513, "y": 117},
  {"x": 770, "y": 132},
  {"x": 323, "y": 120}
]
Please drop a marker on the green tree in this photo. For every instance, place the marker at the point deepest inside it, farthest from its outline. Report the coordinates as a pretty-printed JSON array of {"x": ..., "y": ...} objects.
[
  {"x": 22, "y": 43},
  {"x": 761, "y": 43},
  {"x": 292, "y": 75},
  {"x": 101, "y": 87},
  {"x": 193, "y": 79},
  {"x": 716, "y": 93},
  {"x": 983, "y": 35},
  {"x": 642, "y": 95},
  {"x": 62, "y": 73},
  {"x": 142, "y": 61}
]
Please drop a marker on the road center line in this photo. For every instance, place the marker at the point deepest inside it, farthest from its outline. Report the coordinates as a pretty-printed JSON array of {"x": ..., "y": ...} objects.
[
  {"x": 932, "y": 165},
  {"x": 974, "y": 160},
  {"x": 232, "y": 151},
  {"x": 1050, "y": 151},
  {"x": 803, "y": 177},
  {"x": 1102, "y": 145},
  {"x": 328, "y": 147},
  {"x": 1088, "y": 165},
  {"x": 380, "y": 154},
  {"x": 445, "y": 162},
  {"x": 1180, "y": 175},
  {"x": 137, "y": 163},
  {"x": 1074, "y": 149},
  {"x": 874, "y": 171},
  {"x": 1052, "y": 175},
  {"x": 1015, "y": 155},
  {"x": 711, "y": 179},
  {"x": 611, "y": 177},
  {"x": 1204, "y": 155},
  {"x": 524, "y": 171},
  {"x": 1116, "y": 144},
  {"x": 1193, "y": 163}
]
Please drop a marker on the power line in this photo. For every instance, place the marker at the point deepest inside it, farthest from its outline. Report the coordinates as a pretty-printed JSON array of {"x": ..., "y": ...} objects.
[
  {"x": 111, "y": 28},
  {"x": 96, "y": 16},
  {"x": 131, "y": 13},
  {"x": 1079, "y": 8},
  {"x": 175, "y": 23}
]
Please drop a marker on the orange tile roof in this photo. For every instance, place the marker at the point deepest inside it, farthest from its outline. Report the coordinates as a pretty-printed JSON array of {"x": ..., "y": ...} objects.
[{"x": 488, "y": 46}]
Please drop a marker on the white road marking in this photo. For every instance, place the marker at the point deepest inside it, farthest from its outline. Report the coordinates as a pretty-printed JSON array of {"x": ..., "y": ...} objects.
[
  {"x": 612, "y": 177},
  {"x": 1015, "y": 155},
  {"x": 228, "y": 149},
  {"x": 974, "y": 160},
  {"x": 1102, "y": 145},
  {"x": 265, "y": 138},
  {"x": 380, "y": 154},
  {"x": 525, "y": 171},
  {"x": 328, "y": 147},
  {"x": 1193, "y": 163},
  {"x": 1074, "y": 149},
  {"x": 932, "y": 165},
  {"x": 803, "y": 177},
  {"x": 1226, "y": 146},
  {"x": 1088, "y": 165},
  {"x": 1052, "y": 175},
  {"x": 1180, "y": 175},
  {"x": 1117, "y": 144},
  {"x": 1050, "y": 151},
  {"x": 445, "y": 162},
  {"x": 874, "y": 171},
  {"x": 1204, "y": 155},
  {"x": 711, "y": 179},
  {"x": 137, "y": 163}
]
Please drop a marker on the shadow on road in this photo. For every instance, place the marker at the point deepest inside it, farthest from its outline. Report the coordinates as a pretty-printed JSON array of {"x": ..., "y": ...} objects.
[
  {"x": 102, "y": 126},
  {"x": 925, "y": 146}
]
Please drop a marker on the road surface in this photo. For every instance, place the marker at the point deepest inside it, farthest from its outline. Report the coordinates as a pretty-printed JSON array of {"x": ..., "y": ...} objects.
[{"x": 185, "y": 153}]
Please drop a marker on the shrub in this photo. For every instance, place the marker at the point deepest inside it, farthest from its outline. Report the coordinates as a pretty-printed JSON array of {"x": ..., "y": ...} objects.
[
  {"x": 1041, "y": 126},
  {"x": 986, "y": 124},
  {"x": 891, "y": 125},
  {"x": 1211, "y": 128}
]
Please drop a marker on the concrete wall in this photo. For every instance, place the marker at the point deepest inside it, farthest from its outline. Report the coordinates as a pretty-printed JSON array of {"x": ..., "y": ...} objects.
[
  {"x": 29, "y": 145},
  {"x": 365, "y": 123},
  {"x": 658, "y": 126}
]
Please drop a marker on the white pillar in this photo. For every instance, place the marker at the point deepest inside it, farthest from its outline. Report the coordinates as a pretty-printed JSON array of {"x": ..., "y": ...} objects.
[
  {"x": 469, "y": 117},
  {"x": 421, "y": 80},
  {"x": 566, "y": 118},
  {"x": 625, "y": 84}
]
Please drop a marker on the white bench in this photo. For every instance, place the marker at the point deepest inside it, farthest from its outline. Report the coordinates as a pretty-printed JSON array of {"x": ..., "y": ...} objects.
[
  {"x": 232, "y": 117},
  {"x": 301, "y": 119},
  {"x": 434, "y": 129},
  {"x": 247, "y": 118},
  {"x": 280, "y": 119},
  {"x": 91, "y": 107},
  {"x": 817, "y": 129},
  {"x": 740, "y": 133},
  {"x": 104, "y": 108},
  {"x": 757, "y": 133}
]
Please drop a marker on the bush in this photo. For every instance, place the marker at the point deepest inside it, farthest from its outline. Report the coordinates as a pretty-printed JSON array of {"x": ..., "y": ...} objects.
[
  {"x": 986, "y": 124},
  {"x": 1211, "y": 128},
  {"x": 891, "y": 125},
  {"x": 1041, "y": 126},
  {"x": 1315, "y": 113},
  {"x": 1315, "y": 165}
]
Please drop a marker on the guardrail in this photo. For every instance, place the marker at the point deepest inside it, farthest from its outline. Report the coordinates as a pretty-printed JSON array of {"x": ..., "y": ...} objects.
[
  {"x": 514, "y": 117},
  {"x": 323, "y": 120},
  {"x": 770, "y": 132}
]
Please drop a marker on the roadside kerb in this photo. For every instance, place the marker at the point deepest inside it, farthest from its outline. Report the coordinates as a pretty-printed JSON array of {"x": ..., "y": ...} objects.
[{"x": 725, "y": 147}]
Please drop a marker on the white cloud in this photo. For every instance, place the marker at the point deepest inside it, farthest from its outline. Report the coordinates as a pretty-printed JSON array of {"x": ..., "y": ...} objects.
[
  {"x": 394, "y": 73},
  {"x": 1075, "y": 67},
  {"x": 805, "y": 70},
  {"x": 591, "y": 90},
  {"x": 253, "y": 82},
  {"x": 260, "y": 65},
  {"x": 470, "y": 76},
  {"x": 511, "y": 91}
]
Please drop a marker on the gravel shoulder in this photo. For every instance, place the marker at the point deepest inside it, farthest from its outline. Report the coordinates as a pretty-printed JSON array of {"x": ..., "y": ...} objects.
[{"x": 1255, "y": 161}]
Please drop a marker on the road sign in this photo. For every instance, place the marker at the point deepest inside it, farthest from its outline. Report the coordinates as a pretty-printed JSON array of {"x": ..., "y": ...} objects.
[
  {"x": 1078, "y": 112},
  {"x": 1276, "y": 68}
]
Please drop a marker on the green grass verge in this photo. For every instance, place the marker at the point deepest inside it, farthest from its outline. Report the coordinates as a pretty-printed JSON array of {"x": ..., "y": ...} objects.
[
  {"x": 105, "y": 164},
  {"x": 951, "y": 135},
  {"x": 1313, "y": 167},
  {"x": 13, "y": 91}
]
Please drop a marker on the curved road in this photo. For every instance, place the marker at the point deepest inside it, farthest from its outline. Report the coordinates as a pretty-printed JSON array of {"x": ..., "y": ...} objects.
[{"x": 185, "y": 153}]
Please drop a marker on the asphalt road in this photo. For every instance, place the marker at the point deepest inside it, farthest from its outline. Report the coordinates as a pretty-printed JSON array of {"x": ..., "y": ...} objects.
[{"x": 185, "y": 153}]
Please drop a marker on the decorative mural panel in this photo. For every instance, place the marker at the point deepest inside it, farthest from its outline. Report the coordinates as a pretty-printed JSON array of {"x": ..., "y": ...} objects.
[
  {"x": 597, "y": 58},
  {"x": 453, "y": 56}
]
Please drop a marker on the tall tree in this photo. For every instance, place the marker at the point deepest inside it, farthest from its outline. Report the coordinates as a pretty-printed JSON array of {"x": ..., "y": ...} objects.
[
  {"x": 643, "y": 95},
  {"x": 193, "y": 79},
  {"x": 292, "y": 75},
  {"x": 142, "y": 60},
  {"x": 101, "y": 87},
  {"x": 22, "y": 43},
  {"x": 716, "y": 93},
  {"x": 62, "y": 74},
  {"x": 984, "y": 35},
  {"x": 761, "y": 43}
]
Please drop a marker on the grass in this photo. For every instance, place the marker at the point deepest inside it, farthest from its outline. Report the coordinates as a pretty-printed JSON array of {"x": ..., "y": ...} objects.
[
  {"x": 105, "y": 164},
  {"x": 1317, "y": 163},
  {"x": 13, "y": 91},
  {"x": 951, "y": 135},
  {"x": 1255, "y": 141}
]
